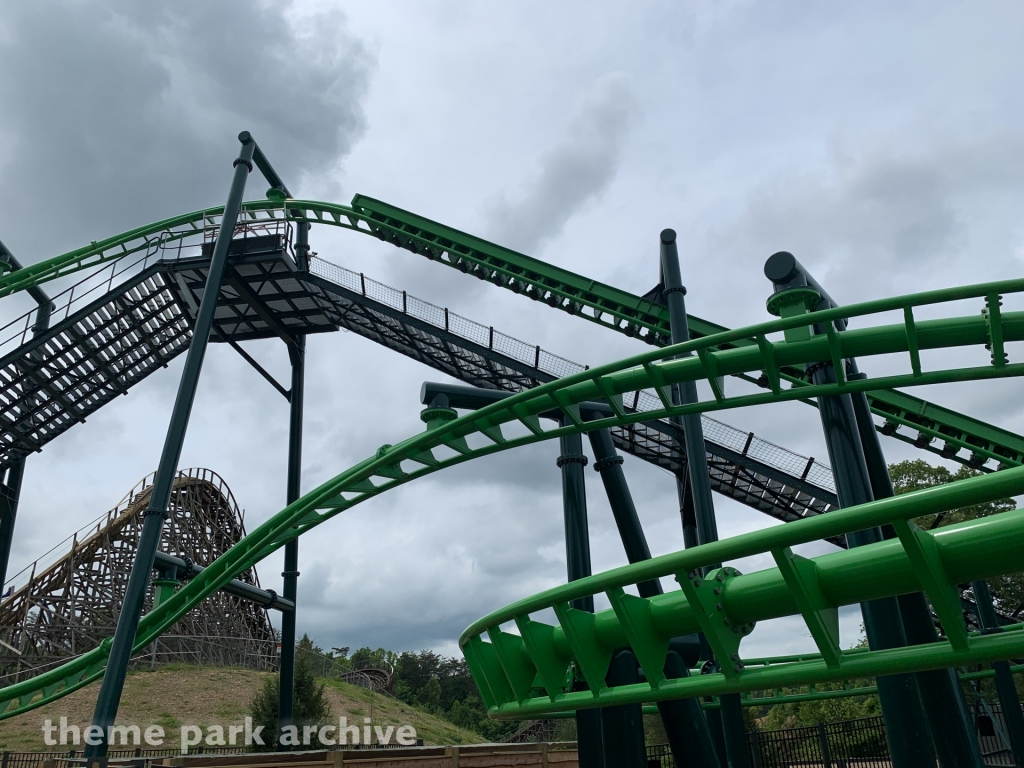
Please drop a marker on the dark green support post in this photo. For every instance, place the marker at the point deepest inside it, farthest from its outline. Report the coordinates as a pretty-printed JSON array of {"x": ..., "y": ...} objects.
[
  {"x": 956, "y": 742},
  {"x": 156, "y": 511},
  {"x": 608, "y": 463},
  {"x": 683, "y": 720},
  {"x": 687, "y": 730},
  {"x": 10, "y": 494},
  {"x": 290, "y": 575},
  {"x": 823, "y": 747},
  {"x": 623, "y": 726},
  {"x": 910, "y": 744},
  {"x": 690, "y": 738},
  {"x": 1005, "y": 687},
  {"x": 589, "y": 733},
  {"x": 697, "y": 491},
  {"x": 10, "y": 489},
  {"x": 693, "y": 431}
]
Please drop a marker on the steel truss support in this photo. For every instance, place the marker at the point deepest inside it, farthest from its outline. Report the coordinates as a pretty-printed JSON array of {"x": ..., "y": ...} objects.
[
  {"x": 10, "y": 488},
  {"x": 297, "y": 356},
  {"x": 696, "y": 493},
  {"x": 10, "y": 494},
  {"x": 138, "y": 582},
  {"x": 909, "y": 741},
  {"x": 687, "y": 730}
]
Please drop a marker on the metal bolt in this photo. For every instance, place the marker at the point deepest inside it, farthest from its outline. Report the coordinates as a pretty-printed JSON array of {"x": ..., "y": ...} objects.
[
  {"x": 720, "y": 577},
  {"x": 696, "y": 582},
  {"x": 725, "y": 620},
  {"x": 737, "y": 668},
  {"x": 719, "y": 606},
  {"x": 735, "y": 657},
  {"x": 718, "y": 590}
]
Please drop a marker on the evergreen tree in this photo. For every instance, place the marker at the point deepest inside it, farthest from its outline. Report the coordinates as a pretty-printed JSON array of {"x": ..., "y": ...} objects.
[
  {"x": 1007, "y": 590},
  {"x": 310, "y": 705}
]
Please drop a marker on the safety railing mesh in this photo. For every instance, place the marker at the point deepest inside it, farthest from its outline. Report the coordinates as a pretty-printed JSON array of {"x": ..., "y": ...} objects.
[{"x": 746, "y": 443}]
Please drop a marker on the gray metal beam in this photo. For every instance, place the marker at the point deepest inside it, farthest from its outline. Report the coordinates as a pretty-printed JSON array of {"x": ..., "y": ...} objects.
[
  {"x": 156, "y": 511},
  {"x": 186, "y": 569}
]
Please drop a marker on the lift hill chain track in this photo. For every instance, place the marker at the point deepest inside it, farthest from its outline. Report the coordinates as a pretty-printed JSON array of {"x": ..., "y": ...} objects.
[
  {"x": 931, "y": 427},
  {"x": 99, "y": 349},
  {"x": 933, "y": 562}
]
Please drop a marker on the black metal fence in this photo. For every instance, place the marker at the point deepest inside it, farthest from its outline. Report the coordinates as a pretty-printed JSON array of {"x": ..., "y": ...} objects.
[
  {"x": 74, "y": 758},
  {"x": 993, "y": 740},
  {"x": 847, "y": 744},
  {"x": 850, "y": 744}
]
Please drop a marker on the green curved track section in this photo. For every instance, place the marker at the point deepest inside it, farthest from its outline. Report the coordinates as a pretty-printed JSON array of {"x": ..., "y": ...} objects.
[
  {"x": 446, "y": 443},
  {"x": 600, "y": 303},
  {"x": 531, "y": 673}
]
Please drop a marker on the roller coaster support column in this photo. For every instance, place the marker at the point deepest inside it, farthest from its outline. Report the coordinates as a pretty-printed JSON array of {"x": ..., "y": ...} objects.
[
  {"x": 909, "y": 741},
  {"x": 737, "y": 754},
  {"x": 577, "y": 557},
  {"x": 685, "y": 726},
  {"x": 1005, "y": 687},
  {"x": 297, "y": 356},
  {"x": 953, "y": 733},
  {"x": 149, "y": 539},
  {"x": 10, "y": 489}
]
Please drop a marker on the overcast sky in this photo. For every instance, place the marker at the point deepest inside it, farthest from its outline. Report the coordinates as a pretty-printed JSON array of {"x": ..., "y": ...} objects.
[{"x": 882, "y": 143}]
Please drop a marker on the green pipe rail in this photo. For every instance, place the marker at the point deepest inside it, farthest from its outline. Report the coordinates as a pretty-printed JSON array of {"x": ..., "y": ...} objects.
[
  {"x": 933, "y": 561},
  {"x": 530, "y": 674},
  {"x": 608, "y": 306},
  {"x": 780, "y": 697}
]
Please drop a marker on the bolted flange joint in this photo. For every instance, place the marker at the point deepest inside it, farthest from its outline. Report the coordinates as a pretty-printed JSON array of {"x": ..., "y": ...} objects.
[
  {"x": 571, "y": 458},
  {"x": 601, "y": 464}
]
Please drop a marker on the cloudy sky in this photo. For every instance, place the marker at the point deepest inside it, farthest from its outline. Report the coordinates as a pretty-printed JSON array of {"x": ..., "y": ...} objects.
[{"x": 881, "y": 143}]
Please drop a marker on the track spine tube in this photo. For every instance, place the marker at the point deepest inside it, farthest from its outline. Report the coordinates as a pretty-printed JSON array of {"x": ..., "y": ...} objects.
[{"x": 149, "y": 540}]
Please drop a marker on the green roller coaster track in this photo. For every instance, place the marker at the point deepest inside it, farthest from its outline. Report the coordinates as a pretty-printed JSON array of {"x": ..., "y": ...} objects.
[
  {"x": 606, "y": 305},
  {"x": 507, "y": 668}
]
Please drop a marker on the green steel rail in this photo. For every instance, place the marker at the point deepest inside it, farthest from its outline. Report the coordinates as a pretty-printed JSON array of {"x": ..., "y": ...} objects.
[
  {"x": 531, "y": 673},
  {"x": 598, "y": 302},
  {"x": 779, "y": 697},
  {"x": 639, "y": 317},
  {"x": 446, "y": 443}
]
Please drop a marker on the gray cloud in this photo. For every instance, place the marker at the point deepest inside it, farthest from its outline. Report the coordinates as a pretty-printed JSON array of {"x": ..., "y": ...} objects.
[
  {"x": 120, "y": 114},
  {"x": 573, "y": 172},
  {"x": 885, "y": 173},
  {"x": 886, "y": 209}
]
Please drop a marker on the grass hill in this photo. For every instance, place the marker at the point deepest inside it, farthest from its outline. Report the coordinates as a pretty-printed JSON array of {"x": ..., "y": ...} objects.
[{"x": 173, "y": 696}]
